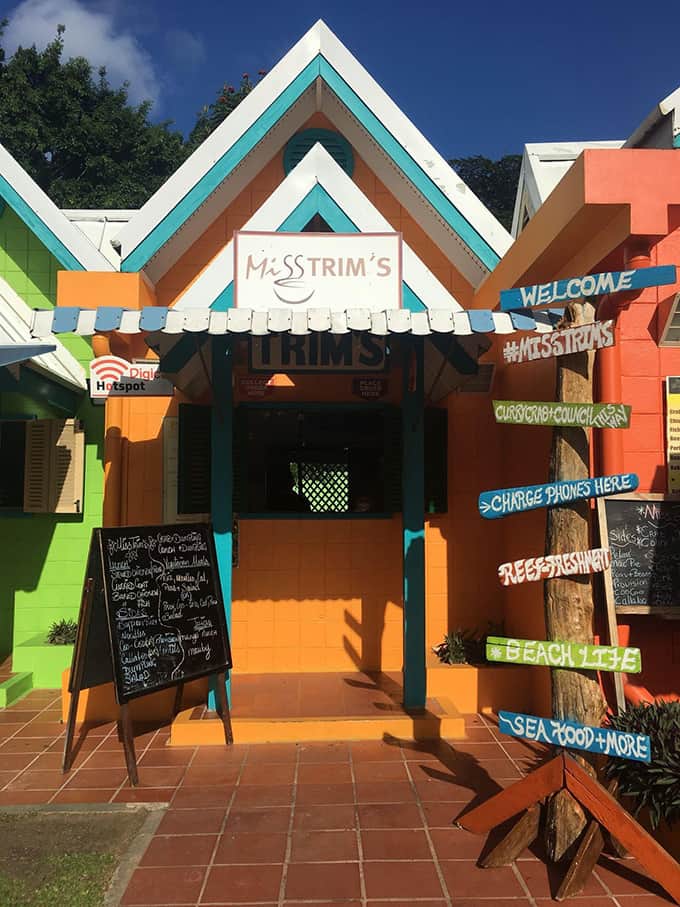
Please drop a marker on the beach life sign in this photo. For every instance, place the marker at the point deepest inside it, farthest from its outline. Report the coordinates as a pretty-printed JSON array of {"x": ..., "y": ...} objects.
[
  {"x": 550, "y": 566},
  {"x": 554, "y": 654},
  {"x": 559, "y": 292},
  {"x": 562, "y": 415},
  {"x": 503, "y": 501},
  {"x": 570, "y": 735},
  {"x": 595, "y": 335}
]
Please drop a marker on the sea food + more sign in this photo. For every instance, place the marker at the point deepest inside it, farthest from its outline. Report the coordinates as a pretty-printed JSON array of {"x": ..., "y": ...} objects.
[
  {"x": 578, "y": 339},
  {"x": 559, "y": 292},
  {"x": 575, "y": 415},
  {"x": 569, "y": 734},
  {"x": 549, "y": 566},
  {"x": 553, "y": 654},
  {"x": 503, "y": 501}
]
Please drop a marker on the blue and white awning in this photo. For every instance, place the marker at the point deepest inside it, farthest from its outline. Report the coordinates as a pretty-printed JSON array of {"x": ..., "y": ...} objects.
[{"x": 167, "y": 321}]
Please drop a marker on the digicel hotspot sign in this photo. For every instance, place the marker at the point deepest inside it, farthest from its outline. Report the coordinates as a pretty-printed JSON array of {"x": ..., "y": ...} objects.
[{"x": 111, "y": 376}]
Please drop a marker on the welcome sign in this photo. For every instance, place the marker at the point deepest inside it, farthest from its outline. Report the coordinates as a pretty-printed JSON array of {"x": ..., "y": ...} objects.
[{"x": 298, "y": 271}]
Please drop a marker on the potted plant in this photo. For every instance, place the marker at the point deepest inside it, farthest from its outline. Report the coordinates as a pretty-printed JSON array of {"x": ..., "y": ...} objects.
[
  {"x": 652, "y": 788},
  {"x": 63, "y": 633}
]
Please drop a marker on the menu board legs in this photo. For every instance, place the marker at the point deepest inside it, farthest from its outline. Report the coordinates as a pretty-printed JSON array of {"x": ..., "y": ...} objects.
[
  {"x": 126, "y": 735},
  {"x": 76, "y": 678},
  {"x": 223, "y": 707}
]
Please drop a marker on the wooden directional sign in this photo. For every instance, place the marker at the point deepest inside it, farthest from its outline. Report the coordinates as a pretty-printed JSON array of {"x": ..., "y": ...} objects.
[
  {"x": 577, "y": 415},
  {"x": 560, "y": 292},
  {"x": 548, "y": 566},
  {"x": 593, "y": 336},
  {"x": 577, "y": 736},
  {"x": 553, "y": 654},
  {"x": 503, "y": 501}
]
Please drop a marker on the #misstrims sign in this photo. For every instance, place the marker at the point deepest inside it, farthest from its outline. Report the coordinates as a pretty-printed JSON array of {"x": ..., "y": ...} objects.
[{"x": 337, "y": 271}]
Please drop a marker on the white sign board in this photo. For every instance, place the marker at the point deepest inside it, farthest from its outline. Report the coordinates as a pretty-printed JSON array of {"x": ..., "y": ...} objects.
[
  {"x": 111, "y": 376},
  {"x": 298, "y": 271}
]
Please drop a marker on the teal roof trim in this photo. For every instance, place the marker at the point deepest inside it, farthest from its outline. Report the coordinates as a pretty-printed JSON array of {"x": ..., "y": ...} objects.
[
  {"x": 317, "y": 201},
  {"x": 221, "y": 169},
  {"x": 39, "y": 228}
]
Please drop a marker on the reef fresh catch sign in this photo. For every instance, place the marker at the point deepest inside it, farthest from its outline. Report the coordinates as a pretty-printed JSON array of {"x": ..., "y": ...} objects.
[
  {"x": 575, "y": 415},
  {"x": 578, "y": 339},
  {"x": 560, "y": 292},
  {"x": 298, "y": 271},
  {"x": 503, "y": 501},
  {"x": 549, "y": 566},
  {"x": 570, "y": 735},
  {"x": 554, "y": 654}
]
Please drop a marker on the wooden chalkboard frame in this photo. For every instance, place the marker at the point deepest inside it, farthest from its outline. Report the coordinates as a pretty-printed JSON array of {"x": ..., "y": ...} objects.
[{"x": 122, "y": 698}]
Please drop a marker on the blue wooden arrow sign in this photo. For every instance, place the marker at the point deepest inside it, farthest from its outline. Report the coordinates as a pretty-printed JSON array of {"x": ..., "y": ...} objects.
[
  {"x": 560, "y": 292},
  {"x": 502, "y": 501},
  {"x": 571, "y": 735}
]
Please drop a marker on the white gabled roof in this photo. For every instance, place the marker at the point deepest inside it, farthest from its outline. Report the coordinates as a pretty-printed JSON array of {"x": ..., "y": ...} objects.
[
  {"x": 317, "y": 169},
  {"x": 100, "y": 227},
  {"x": 16, "y": 320},
  {"x": 68, "y": 244},
  {"x": 543, "y": 166},
  {"x": 651, "y": 132},
  {"x": 318, "y": 73}
]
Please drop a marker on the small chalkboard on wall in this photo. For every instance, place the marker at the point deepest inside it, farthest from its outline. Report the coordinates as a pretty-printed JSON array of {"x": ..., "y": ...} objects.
[
  {"x": 151, "y": 617},
  {"x": 643, "y": 534}
]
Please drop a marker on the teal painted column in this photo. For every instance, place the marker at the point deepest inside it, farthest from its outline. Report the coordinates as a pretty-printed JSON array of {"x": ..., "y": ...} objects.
[
  {"x": 221, "y": 475},
  {"x": 413, "y": 521}
]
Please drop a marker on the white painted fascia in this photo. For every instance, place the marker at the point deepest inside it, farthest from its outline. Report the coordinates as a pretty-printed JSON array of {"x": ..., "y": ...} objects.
[
  {"x": 316, "y": 168},
  {"x": 45, "y": 210},
  {"x": 319, "y": 39},
  {"x": 669, "y": 105},
  {"x": 16, "y": 319}
]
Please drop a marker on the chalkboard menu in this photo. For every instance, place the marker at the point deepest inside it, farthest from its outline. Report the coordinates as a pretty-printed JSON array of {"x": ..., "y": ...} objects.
[
  {"x": 643, "y": 533},
  {"x": 159, "y": 589}
]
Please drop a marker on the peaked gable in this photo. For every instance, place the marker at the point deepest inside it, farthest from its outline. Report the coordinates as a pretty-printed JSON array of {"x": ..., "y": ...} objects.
[
  {"x": 59, "y": 236},
  {"x": 317, "y": 74},
  {"x": 318, "y": 185}
]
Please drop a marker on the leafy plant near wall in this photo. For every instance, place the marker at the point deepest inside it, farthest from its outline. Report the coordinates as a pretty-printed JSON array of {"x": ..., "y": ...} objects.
[
  {"x": 654, "y": 786},
  {"x": 62, "y": 633},
  {"x": 466, "y": 646}
]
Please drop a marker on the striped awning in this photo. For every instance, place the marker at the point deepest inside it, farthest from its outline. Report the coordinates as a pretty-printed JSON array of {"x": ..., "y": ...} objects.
[{"x": 156, "y": 319}]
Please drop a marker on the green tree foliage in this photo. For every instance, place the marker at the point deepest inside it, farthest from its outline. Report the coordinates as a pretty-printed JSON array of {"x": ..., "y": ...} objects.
[
  {"x": 210, "y": 116},
  {"x": 493, "y": 182},
  {"x": 78, "y": 137}
]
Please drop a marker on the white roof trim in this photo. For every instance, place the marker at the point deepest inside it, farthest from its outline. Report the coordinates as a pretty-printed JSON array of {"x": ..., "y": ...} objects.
[
  {"x": 670, "y": 104},
  {"x": 318, "y": 40},
  {"x": 16, "y": 322},
  {"x": 316, "y": 168},
  {"x": 54, "y": 221}
]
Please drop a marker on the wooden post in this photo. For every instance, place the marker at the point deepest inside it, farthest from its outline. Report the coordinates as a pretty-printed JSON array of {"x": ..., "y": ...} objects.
[
  {"x": 568, "y": 600},
  {"x": 76, "y": 678}
]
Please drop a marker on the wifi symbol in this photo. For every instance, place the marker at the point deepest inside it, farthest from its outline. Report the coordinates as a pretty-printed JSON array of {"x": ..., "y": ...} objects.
[{"x": 109, "y": 368}]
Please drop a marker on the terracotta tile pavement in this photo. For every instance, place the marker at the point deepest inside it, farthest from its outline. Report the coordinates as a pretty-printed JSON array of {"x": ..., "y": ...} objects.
[{"x": 286, "y": 825}]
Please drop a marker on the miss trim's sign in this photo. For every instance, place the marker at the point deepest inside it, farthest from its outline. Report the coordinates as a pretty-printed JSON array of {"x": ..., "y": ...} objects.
[{"x": 298, "y": 271}]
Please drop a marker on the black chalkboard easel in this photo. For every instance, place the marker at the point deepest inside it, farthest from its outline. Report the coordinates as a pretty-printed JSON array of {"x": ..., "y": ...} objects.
[{"x": 151, "y": 617}]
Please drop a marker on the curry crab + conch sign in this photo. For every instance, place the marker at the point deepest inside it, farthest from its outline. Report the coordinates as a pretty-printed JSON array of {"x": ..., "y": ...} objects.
[
  {"x": 580, "y": 338},
  {"x": 550, "y": 566},
  {"x": 574, "y": 415},
  {"x": 570, "y": 735},
  {"x": 555, "y": 654},
  {"x": 560, "y": 292},
  {"x": 504, "y": 501}
]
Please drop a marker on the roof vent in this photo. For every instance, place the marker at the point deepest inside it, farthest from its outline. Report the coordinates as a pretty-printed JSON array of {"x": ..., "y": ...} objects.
[{"x": 335, "y": 144}]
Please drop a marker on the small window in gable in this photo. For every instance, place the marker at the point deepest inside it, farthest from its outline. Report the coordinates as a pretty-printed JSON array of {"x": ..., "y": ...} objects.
[{"x": 335, "y": 144}]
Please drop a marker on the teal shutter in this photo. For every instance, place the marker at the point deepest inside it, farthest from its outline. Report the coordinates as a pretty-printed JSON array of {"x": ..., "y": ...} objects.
[
  {"x": 193, "y": 459},
  {"x": 392, "y": 459},
  {"x": 436, "y": 460}
]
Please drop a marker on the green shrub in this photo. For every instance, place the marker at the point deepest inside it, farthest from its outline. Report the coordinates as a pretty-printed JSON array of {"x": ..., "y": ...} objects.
[
  {"x": 465, "y": 646},
  {"x": 63, "y": 633},
  {"x": 654, "y": 786}
]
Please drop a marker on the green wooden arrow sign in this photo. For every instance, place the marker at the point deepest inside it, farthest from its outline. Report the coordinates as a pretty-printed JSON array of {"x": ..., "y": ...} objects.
[
  {"x": 555, "y": 654},
  {"x": 579, "y": 415}
]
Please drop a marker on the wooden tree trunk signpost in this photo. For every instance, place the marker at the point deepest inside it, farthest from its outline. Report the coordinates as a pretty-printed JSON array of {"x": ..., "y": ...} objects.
[{"x": 569, "y": 599}]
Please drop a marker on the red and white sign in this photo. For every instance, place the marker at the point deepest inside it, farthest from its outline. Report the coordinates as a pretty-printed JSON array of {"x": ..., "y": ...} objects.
[
  {"x": 549, "y": 566},
  {"x": 369, "y": 388},
  {"x": 298, "y": 271},
  {"x": 254, "y": 386},
  {"x": 111, "y": 376}
]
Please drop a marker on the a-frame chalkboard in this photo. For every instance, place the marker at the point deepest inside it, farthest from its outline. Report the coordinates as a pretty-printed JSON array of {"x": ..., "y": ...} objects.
[{"x": 151, "y": 617}]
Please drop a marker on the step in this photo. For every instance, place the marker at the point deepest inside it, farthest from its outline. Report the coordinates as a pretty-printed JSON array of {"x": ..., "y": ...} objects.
[{"x": 16, "y": 686}]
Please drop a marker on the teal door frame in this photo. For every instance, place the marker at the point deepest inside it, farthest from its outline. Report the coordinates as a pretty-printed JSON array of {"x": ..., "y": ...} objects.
[
  {"x": 221, "y": 477},
  {"x": 413, "y": 523}
]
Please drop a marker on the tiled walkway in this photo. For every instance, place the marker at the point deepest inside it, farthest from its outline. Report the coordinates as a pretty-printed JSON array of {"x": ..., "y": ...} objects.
[{"x": 361, "y": 824}]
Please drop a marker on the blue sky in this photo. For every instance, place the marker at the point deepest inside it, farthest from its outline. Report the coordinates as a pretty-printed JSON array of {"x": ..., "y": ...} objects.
[{"x": 476, "y": 78}]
